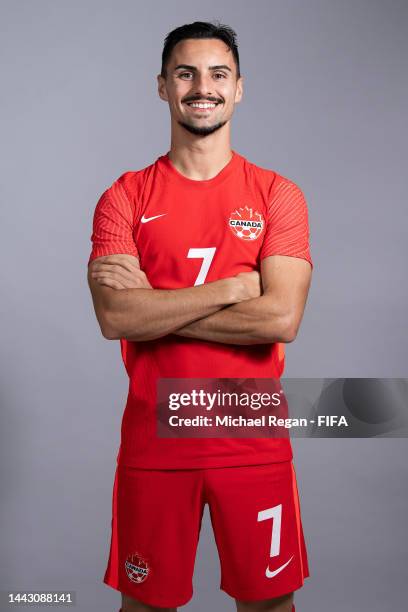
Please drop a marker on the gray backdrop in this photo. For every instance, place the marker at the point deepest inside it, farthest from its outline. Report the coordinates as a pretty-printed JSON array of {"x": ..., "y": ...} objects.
[{"x": 324, "y": 104}]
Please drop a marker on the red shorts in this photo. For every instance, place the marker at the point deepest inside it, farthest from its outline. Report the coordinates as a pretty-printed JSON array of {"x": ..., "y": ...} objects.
[{"x": 156, "y": 524}]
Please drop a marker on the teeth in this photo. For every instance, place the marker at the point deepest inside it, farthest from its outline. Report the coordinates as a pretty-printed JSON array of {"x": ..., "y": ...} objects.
[{"x": 201, "y": 105}]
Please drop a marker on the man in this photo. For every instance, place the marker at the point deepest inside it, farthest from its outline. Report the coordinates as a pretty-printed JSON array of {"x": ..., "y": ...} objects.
[{"x": 201, "y": 267}]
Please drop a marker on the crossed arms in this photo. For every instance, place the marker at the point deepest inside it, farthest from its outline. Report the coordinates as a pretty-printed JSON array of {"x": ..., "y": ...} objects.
[{"x": 250, "y": 308}]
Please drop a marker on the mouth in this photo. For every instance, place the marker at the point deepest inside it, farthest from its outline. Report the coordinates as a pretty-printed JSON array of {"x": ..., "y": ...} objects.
[{"x": 202, "y": 106}]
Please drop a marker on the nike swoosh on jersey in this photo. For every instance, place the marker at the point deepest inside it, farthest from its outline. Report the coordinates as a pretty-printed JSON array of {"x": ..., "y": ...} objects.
[
  {"x": 271, "y": 574},
  {"x": 147, "y": 219}
]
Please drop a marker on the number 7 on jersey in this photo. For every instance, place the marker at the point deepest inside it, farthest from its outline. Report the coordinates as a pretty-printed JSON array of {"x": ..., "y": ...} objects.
[{"x": 207, "y": 255}]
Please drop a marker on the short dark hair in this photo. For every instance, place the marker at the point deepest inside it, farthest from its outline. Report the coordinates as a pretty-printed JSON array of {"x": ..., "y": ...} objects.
[{"x": 200, "y": 29}]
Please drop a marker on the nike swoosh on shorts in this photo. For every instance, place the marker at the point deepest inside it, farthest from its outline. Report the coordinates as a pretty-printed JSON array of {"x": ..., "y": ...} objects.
[{"x": 271, "y": 574}]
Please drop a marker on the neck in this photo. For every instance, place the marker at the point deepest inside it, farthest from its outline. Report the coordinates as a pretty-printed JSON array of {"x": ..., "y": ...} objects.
[{"x": 197, "y": 157}]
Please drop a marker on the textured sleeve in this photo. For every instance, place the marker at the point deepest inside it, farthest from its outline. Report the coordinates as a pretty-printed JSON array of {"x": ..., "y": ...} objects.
[
  {"x": 287, "y": 225},
  {"x": 113, "y": 224}
]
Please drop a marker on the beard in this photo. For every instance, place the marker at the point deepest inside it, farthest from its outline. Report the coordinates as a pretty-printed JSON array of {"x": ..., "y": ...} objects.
[{"x": 202, "y": 131}]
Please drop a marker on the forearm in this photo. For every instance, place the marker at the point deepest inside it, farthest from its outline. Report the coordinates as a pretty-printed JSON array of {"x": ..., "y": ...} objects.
[
  {"x": 255, "y": 321},
  {"x": 127, "y": 306},
  {"x": 147, "y": 314}
]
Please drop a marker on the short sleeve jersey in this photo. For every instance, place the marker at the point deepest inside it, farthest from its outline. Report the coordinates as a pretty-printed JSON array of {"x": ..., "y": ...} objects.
[{"x": 186, "y": 232}]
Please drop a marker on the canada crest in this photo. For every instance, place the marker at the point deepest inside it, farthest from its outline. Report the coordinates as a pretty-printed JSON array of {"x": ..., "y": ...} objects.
[
  {"x": 246, "y": 223},
  {"x": 137, "y": 568}
]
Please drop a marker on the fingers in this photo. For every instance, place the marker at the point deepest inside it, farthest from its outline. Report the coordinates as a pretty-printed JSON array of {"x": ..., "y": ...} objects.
[
  {"x": 116, "y": 271},
  {"x": 121, "y": 258},
  {"x": 130, "y": 266},
  {"x": 129, "y": 262},
  {"x": 125, "y": 261},
  {"x": 118, "y": 276},
  {"x": 122, "y": 280},
  {"x": 111, "y": 282}
]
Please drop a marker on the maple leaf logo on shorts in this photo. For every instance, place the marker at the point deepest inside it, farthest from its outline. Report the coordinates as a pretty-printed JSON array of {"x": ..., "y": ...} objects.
[{"x": 137, "y": 568}]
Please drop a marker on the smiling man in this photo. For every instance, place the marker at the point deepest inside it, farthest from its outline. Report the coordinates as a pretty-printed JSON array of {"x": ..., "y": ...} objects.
[{"x": 200, "y": 266}]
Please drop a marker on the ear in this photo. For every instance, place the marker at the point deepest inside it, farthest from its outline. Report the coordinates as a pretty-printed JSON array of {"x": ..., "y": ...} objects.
[
  {"x": 161, "y": 87},
  {"x": 239, "y": 92}
]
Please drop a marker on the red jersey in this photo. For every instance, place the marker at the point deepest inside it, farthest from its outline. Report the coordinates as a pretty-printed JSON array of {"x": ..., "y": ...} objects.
[{"x": 186, "y": 232}]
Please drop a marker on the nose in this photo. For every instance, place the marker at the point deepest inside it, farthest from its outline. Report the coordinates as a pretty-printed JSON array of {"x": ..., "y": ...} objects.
[{"x": 203, "y": 85}]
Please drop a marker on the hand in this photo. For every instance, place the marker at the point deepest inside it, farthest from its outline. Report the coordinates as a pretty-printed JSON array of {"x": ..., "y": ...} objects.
[
  {"x": 119, "y": 272},
  {"x": 251, "y": 284}
]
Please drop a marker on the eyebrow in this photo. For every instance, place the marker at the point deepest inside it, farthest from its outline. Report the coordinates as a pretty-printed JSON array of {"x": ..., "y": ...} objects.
[{"x": 194, "y": 69}]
